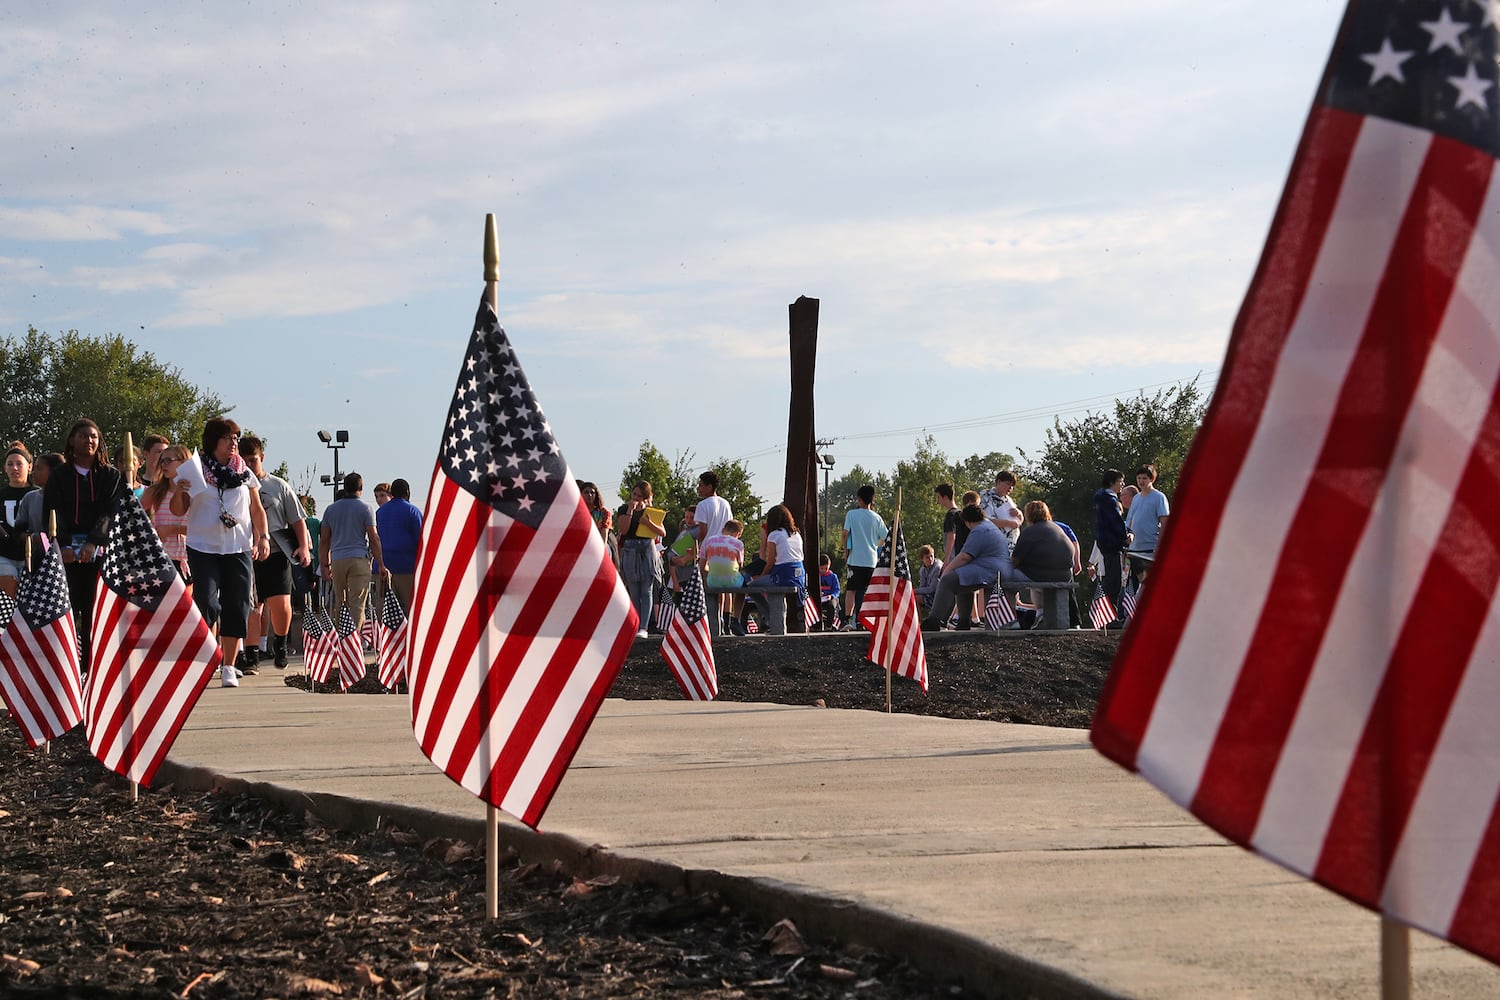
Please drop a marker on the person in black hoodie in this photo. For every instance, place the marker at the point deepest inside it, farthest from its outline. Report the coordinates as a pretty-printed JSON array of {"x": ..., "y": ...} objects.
[
  {"x": 83, "y": 494},
  {"x": 1109, "y": 533},
  {"x": 12, "y": 534}
]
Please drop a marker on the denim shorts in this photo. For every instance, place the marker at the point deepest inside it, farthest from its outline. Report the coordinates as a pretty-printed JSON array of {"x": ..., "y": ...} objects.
[{"x": 11, "y": 567}]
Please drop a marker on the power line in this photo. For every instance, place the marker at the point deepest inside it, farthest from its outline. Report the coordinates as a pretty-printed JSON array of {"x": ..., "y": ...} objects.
[{"x": 1015, "y": 416}]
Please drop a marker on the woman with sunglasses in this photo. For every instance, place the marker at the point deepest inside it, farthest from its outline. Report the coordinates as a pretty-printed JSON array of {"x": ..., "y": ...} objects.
[
  {"x": 226, "y": 530},
  {"x": 157, "y": 501}
]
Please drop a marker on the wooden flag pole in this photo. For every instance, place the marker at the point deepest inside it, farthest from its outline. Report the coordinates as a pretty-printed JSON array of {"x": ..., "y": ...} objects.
[
  {"x": 492, "y": 815},
  {"x": 1395, "y": 960},
  {"x": 890, "y": 609},
  {"x": 127, "y": 460}
]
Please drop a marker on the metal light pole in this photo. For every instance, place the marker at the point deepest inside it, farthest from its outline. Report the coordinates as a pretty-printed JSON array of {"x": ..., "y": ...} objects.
[
  {"x": 336, "y": 442},
  {"x": 825, "y": 460}
]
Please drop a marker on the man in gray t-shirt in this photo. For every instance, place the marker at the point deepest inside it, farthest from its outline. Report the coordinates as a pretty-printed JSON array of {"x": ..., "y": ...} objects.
[{"x": 347, "y": 543}]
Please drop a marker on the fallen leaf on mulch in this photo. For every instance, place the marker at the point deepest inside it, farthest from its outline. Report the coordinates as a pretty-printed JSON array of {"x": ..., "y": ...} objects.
[
  {"x": 308, "y": 986},
  {"x": 286, "y": 861},
  {"x": 364, "y": 976},
  {"x": 20, "y": 966},
  {"x": 784, "y": 939},
  {"x": 350, "y": 858},
  {"x": 379, "y": 878},
  {"x": 836, "y": 974}
]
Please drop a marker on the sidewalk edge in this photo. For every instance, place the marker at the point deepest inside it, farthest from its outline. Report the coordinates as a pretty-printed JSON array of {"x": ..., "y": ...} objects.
[{"x": 941, "y": 952}]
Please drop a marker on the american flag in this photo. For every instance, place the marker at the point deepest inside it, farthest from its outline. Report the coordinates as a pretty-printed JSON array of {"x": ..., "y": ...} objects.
[
  {"x": 1101, "y": 609},
  {"x": 1296, "y": 696},
  {"x": 319, "y": 644},
  {"x": 152, "y": 650},
  {"x": 893, "y": 621},
  {"x": 349, "y": 648},
  {"x": 39, "y": 653},
  {"x": 368, "y": 631},
  {"x": 687, "y": 647},
  {"x": 810, "y": 615},
  {"x": 520, "y": 623},
  {"x": 393, "y": 642},
  {"x": 752, "y": 627},
  {"x": 663, "y": 612},
  {"x": 1127, "y": 597},
  {"x": 998, "y": 612}
]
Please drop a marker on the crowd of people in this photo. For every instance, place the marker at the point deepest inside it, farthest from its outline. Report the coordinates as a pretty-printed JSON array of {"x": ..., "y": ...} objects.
[
  {"x": 989, "y": 544},
  {"x": 241, "y": 538},
  {"x": 248, "y": 547}
]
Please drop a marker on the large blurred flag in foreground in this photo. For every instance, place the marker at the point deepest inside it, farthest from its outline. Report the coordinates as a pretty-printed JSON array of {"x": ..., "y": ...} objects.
[
  {"x": 152, "y": 650},
  {"x": 1282, "y": 679},
  {"x": 520, "y": 624},
  {"x": 39, "y": 677}
]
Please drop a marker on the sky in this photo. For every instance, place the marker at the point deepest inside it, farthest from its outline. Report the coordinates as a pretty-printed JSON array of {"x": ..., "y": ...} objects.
[{"x": 1010, "y": 210}]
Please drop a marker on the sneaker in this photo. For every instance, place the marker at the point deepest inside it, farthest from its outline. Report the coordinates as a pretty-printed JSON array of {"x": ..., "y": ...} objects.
[
  {"x": 250, "y": 671},
  {"x": 229, "y": 677},
  {"x": 641, "y": 634}
]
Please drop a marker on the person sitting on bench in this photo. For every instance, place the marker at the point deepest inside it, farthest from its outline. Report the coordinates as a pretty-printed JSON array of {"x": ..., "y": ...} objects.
[{"x": 974, "y": 568}]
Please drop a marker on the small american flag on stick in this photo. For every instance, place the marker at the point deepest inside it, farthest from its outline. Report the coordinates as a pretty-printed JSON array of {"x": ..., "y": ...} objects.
[
  {"x": 688, "y": 647},
  {"x": 152, "y": 650},
  {"x": 319, "y": 644},
  {"x": 890, "y": 613},
  {"x": 1101, "y": 609},
  {"x": 393, "y": 642},
  {"x": 350, "y": 649},
  {"x": 39, "y": 675},
  {"x": 998, "y": 612},
  {"x": 520, "y": 623}
]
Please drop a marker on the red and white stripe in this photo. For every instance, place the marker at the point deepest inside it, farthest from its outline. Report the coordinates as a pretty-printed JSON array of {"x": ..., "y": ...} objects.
[
  {"x": 349, "y": 650},
  {"x": 321, "y": 656},
  {"x": 516, "y": 637},
  {"x": 149, "y": 669},
  {"x": 393, "y": 654},
  {"x": 896, "y": 637},
  {"x": 39, "y": 677},
  {"x": 1280, "y": 679},
  {"x": 688, "y": 650}
]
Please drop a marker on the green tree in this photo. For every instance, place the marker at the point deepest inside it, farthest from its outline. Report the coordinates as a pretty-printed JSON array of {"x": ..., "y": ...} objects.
[
  {"x": 1158, "y": 429},
  {"x": 921, "y": 515},
  {"x": 977, "y": 472},
  {"x": 53, "y": 380},
  {"x": 675, "y": 486}
]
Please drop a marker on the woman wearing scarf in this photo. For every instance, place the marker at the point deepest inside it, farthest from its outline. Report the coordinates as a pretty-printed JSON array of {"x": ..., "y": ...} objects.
[
  {"x": 226, "y": 531},
  {"x": 83, "y": 492}
]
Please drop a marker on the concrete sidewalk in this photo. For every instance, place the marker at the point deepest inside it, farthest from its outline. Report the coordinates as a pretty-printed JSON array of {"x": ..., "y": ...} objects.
[{"x": 1020, "y": 837}]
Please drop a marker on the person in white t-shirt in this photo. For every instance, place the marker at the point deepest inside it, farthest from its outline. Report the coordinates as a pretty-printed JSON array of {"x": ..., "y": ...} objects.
[
  {"x": 1000, "y": 509},
  {"x": 712, "y": 512},
  {"x": 226, "y": 530},
  {"x": 783, "y": 555}
]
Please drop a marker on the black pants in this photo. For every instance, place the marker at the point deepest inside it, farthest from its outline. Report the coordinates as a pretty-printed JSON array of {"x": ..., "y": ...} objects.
[
  {"x": 83, "y": 580},
  {"x": 1112, "y": 574}
]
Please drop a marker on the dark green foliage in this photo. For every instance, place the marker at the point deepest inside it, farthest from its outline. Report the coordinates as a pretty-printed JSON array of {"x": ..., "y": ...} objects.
[
  {"x": 675, "y": 486},
  {"x": 53, "y": 380},
  {"x": 1157, "y": 429}
]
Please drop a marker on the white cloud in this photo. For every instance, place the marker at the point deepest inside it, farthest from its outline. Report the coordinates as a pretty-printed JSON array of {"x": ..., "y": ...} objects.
[{"x": 79, "y": 223}]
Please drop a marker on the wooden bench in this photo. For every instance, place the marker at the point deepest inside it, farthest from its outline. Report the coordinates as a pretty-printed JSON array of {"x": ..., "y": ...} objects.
[{"x": 775, "y": 611}]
